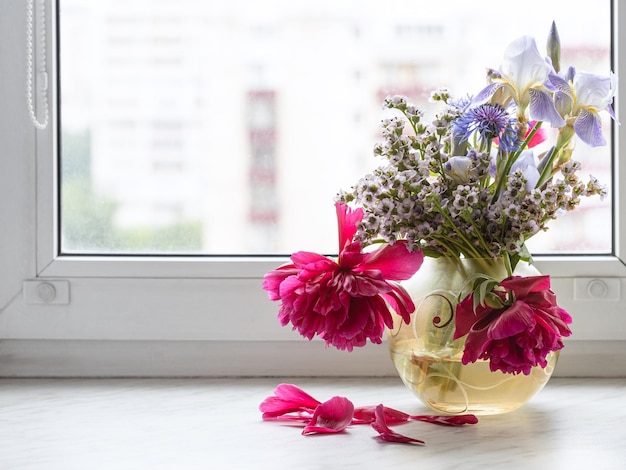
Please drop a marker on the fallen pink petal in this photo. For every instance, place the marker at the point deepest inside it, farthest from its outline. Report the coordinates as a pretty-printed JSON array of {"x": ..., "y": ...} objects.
[
  {"x": 300, "y": 416},
  {"x": 457, "y": 420},
  {"x": 288, "y": 398},
  {"x": 332, "y": 416},
  {"x": 388, "y": 435},
  {"x": 367, "y": 415},
  {"x": 291, "y": 403}
]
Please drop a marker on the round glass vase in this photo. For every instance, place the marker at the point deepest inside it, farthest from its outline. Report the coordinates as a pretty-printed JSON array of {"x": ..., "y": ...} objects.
[{"x": 428, "y": 360}]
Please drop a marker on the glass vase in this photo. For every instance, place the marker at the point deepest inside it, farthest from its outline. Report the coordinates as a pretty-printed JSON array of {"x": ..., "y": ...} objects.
[{"x": 428, "y": 360}]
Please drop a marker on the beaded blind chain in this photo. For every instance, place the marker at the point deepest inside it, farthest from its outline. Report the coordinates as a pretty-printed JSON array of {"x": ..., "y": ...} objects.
[{"x": 30, "y": 59}]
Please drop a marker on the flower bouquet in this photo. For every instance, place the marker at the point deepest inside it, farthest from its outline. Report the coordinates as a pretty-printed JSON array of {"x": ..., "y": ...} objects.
[{"x": 472, "y": 184}]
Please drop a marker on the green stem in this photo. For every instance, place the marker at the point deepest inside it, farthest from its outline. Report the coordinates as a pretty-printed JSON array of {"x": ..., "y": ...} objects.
[
  {"x": 507, "y": 264},
  {"x": 479, "y": 235},
  {"x": 512, "y": 159},
  {"x": 376, "y": 241},
  {"x": 410, "y": 121},
  {"x": 488, "y": 147},
  {"x": 469, "y": 248},
  {"x": 546, "y": 173}
]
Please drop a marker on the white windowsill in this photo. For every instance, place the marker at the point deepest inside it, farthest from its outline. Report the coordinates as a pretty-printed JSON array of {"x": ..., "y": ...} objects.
[{"x": 215, "y": 423}]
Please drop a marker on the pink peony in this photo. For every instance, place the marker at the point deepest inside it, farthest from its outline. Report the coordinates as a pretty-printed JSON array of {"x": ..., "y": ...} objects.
[
  {"x": 518, "y": 336},
  {"x": 539, "y": 137},
  {"x": 345, "y": 302}
]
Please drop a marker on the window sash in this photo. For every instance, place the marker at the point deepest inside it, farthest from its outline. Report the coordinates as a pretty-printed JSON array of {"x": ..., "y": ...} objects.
[
  {"x": 52, "y": 263},
  {"x": 208, "y": 300}
]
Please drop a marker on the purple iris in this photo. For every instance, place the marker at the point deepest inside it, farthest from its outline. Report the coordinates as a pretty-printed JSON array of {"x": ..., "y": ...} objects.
[{"x": 581, "y": 96}]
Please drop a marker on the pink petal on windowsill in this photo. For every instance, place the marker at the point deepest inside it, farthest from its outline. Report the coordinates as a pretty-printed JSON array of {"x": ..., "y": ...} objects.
[
  {"x": 388, "y": 435},
  {"x": 458, "y": 420},
  {"x": 367, "y": 415},
  {"x": 332, "y": 416},
  {"x": 287, "y": 398}
]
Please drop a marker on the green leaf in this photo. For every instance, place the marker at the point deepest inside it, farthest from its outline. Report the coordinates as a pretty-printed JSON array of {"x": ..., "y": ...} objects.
[
  {"x": 482, "y": 290},
  {"x": 494, "y": 301}
]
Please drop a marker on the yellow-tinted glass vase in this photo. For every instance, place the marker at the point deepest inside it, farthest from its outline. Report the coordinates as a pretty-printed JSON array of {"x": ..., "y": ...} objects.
[{"x": 429, "y": 360}]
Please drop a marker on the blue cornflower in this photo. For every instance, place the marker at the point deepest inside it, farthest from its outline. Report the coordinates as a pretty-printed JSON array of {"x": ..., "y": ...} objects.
[
  {"x": 461, "y": 104},
  {"x": 489, "y": 121}
]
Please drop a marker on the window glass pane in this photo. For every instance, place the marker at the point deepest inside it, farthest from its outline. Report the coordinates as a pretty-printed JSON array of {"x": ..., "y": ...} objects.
[{"x": 227, "y": 127}]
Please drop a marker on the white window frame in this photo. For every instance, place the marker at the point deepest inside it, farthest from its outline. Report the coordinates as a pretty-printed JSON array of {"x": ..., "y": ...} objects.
[{"x": 138, "y": 316}]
